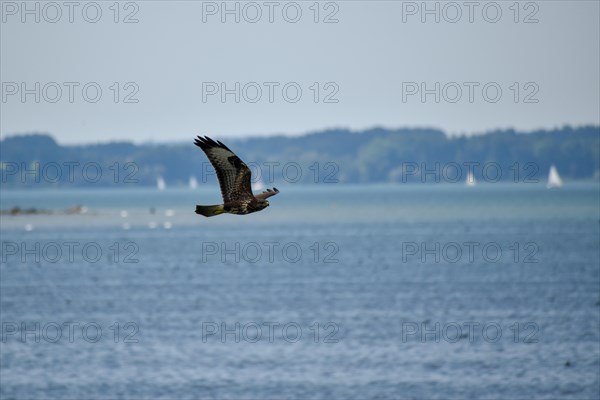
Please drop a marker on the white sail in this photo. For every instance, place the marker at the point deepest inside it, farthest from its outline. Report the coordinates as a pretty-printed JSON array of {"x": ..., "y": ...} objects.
[
  {"x": 258, "y": 186},
  {"x": 193, "y": 182},
  {"x": 470, "y": 179},
  {"x": 160, "y": 183},
  {"x": 554, "y": 180}
]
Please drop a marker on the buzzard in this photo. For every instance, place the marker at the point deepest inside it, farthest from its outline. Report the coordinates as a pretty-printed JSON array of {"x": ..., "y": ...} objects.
[{"x": 234, "y": 179}]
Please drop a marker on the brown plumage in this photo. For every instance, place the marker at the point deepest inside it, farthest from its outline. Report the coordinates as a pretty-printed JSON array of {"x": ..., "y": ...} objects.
[{"x": 234, "y": 178}]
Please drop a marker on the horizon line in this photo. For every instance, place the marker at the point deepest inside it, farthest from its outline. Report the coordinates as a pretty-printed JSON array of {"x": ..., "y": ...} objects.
[{"x": 251, "y": 136}]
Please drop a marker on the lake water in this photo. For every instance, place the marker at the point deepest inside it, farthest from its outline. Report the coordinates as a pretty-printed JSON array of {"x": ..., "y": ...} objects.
[{"x": 333, "y": 292}]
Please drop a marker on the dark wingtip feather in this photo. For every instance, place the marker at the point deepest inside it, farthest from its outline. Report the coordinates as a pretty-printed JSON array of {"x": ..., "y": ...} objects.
[
  {"x": 223, "y": 146},
  {"x": 206, "y": 143},
  {"x": 201, "y": 142}
]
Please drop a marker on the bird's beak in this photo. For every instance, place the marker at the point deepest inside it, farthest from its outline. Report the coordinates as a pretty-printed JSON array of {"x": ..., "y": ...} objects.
[{"x": 268, "y": 204}]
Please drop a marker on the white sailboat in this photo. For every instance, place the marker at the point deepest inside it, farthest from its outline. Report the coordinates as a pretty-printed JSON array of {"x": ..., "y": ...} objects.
[
  {"x": 258, "y": 186},
  {"x": 160, "y": 183},
  {"x": 470, "y": 181},
  {"x": 193, "y": 184},
  {"x": 554, "y": 180}
]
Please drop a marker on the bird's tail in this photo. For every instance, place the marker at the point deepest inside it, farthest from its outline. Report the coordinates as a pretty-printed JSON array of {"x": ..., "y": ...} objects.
[{"x": 209, "y": 211}]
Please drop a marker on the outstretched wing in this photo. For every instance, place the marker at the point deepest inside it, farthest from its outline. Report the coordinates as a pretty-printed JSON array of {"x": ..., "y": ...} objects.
[
  {"x": 266, "y": 194},
  {"x": 233, "y": 174}
]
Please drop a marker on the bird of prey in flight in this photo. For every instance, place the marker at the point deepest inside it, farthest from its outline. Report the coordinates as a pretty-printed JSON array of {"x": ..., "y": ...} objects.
[{"x": 234, "y": 179}]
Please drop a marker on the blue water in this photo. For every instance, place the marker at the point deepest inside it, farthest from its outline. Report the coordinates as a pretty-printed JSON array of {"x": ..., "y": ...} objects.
[{"x": 371, "y": 276}]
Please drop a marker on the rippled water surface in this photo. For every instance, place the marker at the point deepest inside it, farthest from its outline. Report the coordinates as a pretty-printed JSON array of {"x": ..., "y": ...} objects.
[{"x": 333, "y": 292}]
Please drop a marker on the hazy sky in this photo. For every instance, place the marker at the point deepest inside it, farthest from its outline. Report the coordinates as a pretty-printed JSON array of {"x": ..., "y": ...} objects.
[{"x": 536, "y": 66}]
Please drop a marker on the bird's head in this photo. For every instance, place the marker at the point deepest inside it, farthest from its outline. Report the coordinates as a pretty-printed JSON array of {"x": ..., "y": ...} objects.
[{"x": 263, "y": 204}]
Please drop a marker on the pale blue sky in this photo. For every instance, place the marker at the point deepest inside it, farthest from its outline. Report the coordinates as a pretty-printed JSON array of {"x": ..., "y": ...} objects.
[{"x": 370, "y": 56}]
